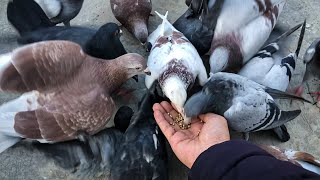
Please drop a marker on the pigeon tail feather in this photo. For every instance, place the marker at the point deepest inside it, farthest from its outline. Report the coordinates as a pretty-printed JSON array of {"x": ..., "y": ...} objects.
[
  {"x": 303, "y": 29},
  {"x": 7, "y": 141},
  {"x": 276, "y": 94},
  {"x": 166, "y": 27},
  {"x": 282, "y": 133},
  {"x": 285, "y": 117},
  {"x": 288, "y": 33},
  {"x": 306, "y": 160}
]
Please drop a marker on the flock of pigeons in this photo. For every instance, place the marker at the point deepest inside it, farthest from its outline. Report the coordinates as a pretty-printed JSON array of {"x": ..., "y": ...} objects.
[{"x": 67, "y": 76}]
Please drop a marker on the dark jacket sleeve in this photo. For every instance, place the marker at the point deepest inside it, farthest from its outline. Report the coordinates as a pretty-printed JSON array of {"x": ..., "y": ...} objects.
[{"x": 242, "y": 160}]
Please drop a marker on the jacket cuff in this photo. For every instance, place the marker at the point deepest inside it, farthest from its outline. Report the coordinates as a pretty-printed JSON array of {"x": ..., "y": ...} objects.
[{"x": 220, "y": 158}]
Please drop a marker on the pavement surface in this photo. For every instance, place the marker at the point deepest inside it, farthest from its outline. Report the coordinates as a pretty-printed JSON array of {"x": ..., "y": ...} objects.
[{"x": 23, "y": 163}]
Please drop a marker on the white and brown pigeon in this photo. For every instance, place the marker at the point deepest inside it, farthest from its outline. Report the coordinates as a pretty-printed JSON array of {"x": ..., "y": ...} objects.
[
  {"x": 299, "y": 158},
  {"x": 242, "y": 28},
  {"x": 175, "y": 62},
  {"x": 247, "y": 105},
  {"x": 66, "y": 92}
]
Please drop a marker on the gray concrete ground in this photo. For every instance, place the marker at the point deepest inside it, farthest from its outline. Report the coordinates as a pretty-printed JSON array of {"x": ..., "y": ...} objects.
[{"x": 20, "y": 162}]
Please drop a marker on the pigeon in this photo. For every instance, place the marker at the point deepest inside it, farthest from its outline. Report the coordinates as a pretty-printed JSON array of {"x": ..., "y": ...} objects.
[
  {"x": 66, "y": 93},
  {"x": 198, "y": 23},
  {"x": 133, "y": 15},
  {"x": 27, "y": 16},
  {"x": 93, "y": 157},
  {"x": 312, "y": 61},
  {"x": 247, "y": 105},
  {"x": 35, "y": 26},
  {"x": 142, "y": 154},
  {"x": 270, "y": 68},
  {"x": 60, "y": 10},
  {"x": 175, "y": 62},
  {"x": 299, "y": 158},
  {"x": 238, "y": 39}
]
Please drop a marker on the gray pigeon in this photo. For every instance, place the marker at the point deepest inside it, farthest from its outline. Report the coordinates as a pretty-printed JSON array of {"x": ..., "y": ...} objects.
[
  {"x": 312, "y": 61},
  {"x": 271, "y": 68},
  {"x": 247, "y": 105}
]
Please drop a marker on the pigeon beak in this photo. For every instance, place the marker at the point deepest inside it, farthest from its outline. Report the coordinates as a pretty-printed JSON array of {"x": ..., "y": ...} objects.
[
  {"x": 120, "y": 32},
  {"x": 147, "y": 71},
  {"x": 136, "y": 78}
]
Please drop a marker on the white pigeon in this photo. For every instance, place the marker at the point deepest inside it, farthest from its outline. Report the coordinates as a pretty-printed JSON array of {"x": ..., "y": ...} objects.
[
  {"x": 242, "y": 28},
  {"x": 175, "y": 63}
]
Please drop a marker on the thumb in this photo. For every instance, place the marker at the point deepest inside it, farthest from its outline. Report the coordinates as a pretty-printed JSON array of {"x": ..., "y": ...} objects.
[{"x": 211, "y": 117}]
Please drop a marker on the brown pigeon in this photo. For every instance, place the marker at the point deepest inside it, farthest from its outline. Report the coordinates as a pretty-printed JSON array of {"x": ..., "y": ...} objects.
[
  {"x": 133, "y": 15},
  {"x": 299, "y": 158},
  {"x": 66, "y": 92}
]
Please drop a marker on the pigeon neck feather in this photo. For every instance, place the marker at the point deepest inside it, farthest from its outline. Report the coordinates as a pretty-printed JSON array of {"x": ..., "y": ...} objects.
[{"x": 99, "y": 70}]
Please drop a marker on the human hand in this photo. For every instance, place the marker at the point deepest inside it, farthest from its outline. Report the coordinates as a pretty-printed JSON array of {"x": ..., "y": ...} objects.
[{"x": 206, "y": 131}]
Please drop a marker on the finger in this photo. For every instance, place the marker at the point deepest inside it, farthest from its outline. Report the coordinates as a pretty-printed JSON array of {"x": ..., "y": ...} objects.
[
  {"x": 167, "y": 106},
  {"x": 165, "y": 127},
  {"x": 174, "y": 114},
  {"x": 158, "y": 107}
]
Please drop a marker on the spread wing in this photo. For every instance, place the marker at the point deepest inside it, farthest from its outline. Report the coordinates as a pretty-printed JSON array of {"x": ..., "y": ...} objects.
[
  {"x": 63, "y": 117},
  {"x": 39, "y": 65}
]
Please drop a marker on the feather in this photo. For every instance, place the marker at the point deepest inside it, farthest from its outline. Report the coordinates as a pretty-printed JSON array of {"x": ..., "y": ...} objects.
[
  {"x": 7, "y": 141},
  {"x": 66, "y": 92},
  {"x": 283, "y": 95},
  {"x": 299, "y": 158}
]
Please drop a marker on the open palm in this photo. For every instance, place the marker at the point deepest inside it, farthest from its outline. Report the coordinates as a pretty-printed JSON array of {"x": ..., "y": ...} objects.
[{"x": 205, "y": 131}]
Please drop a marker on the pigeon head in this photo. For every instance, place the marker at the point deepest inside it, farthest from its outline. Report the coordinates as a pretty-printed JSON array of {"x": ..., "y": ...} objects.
[
  {"x": 313, "y": 52},
  {"x": 106, "y": 42},
  {"x": 196, "y": 105},
  {"x": 174, "y": 88},
  {"x": 132, "y": 63},
  {"x": 140, "y": 30}
]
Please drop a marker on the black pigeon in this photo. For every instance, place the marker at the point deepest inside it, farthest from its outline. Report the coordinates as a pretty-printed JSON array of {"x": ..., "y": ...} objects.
[
  {"x": 95, "y": 155},
  {"x": 198, "y": 23},
  {"x": 27, "y": 16},
  {"x": 34, "y": 26},
  {"x": 247, "y": 105},
  {"x": 142, "y": 155}
]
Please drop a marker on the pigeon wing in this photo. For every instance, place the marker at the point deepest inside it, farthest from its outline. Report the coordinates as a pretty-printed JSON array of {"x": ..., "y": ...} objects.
[
  {"x": 39, "y": 65},
  {"x": 63, "y": 117}
]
